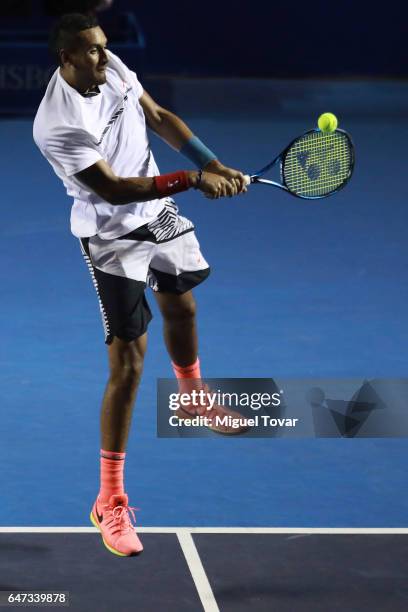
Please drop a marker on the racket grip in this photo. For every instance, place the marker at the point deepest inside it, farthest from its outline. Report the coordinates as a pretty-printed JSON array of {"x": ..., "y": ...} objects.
[{"x": 247, "y": 179}]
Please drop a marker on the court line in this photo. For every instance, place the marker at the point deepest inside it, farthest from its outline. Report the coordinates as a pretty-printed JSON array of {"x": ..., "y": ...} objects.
[
  {"x": 197, "y": 570},
  {"x": 226, "y": 530}
]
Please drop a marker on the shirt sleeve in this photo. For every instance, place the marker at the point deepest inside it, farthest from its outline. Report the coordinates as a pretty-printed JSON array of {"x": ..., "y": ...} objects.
[
  {"x": 136, "y": 84},
  {"x": 127, "y": 74},
  {"x": 73, "y": 149}
]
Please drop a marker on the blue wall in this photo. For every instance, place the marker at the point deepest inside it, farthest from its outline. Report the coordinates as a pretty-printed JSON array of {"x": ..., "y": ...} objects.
[{"x": 297, "y": 38}]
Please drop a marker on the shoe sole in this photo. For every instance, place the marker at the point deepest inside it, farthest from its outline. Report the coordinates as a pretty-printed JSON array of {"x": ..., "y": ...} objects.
[{"x": 112, "y": 550}]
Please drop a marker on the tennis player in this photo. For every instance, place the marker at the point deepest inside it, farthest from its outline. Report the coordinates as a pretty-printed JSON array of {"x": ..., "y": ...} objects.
[{"x": 91, "y": 127}]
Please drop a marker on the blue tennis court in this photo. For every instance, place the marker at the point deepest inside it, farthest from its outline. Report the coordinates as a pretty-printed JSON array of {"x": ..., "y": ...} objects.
[{"x": 298, "y": 289}]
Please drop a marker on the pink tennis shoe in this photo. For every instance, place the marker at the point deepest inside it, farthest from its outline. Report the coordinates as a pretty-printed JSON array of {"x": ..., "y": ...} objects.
[
  {"x": 113, "y": 521},
  {"x": 218, "y": 418}
]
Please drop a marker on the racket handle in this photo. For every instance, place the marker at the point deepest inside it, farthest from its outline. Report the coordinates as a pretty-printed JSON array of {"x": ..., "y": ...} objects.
[{"x": 247, "y": 179}]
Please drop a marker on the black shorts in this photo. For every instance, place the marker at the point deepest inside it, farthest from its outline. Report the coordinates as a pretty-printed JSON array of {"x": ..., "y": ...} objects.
[{"x": 164, "y": 255}]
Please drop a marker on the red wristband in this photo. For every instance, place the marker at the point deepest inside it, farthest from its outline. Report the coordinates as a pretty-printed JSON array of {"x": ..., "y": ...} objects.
[{"x": 167, "y": 184}]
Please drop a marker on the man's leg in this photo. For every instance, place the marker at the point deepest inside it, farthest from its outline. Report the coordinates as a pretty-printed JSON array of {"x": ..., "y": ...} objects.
[
  {"x": 179, "y": 326},
  {"x": 180, "y": 335},
  {"x": 110, "y": 512},
  {"x": 178, "y": 266},
  {"x": 125, "y": 314},
  {"x": 126, "y": 366}
]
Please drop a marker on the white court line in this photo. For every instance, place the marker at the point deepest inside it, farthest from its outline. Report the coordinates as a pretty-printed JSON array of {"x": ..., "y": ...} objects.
[
  {"x": 197, "y": 571},
  {"x": 322, "y": 530},
  {"x": 226, "y": 530}
]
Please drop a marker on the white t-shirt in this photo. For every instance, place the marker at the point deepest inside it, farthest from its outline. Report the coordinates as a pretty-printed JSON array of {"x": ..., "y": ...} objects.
[{"x": 73, "y": 132}]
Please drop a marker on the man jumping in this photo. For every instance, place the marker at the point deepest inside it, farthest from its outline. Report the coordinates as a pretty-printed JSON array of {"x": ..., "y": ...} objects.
[{"x": 91, "y": 127}]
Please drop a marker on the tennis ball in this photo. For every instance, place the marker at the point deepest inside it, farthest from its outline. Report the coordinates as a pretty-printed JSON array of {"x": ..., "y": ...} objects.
[{"x": 327, "y": 122}]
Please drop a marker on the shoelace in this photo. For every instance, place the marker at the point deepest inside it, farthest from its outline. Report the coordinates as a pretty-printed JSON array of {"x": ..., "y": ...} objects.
[{"x": 121, "y": 517}]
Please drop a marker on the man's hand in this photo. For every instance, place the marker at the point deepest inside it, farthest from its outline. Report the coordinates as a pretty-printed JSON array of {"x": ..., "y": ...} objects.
[
  {"x": 213, "y": 186},
  {"x": 235, "y": 177}
]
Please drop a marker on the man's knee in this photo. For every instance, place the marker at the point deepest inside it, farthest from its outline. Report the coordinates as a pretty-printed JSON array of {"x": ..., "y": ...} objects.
[
  {"x": 179, "y": 308},
  {"x": 126, "y": 362}
]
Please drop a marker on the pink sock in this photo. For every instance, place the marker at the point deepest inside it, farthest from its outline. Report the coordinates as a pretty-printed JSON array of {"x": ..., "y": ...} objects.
[
  {"x": 185, "y": 374},
  {"x": 112, "y": 466}
]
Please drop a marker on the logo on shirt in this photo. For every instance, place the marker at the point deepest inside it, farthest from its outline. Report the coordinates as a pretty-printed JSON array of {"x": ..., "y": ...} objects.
[
  {"x": 114, "y": 117},
  {"x": 116, "y": 114}
]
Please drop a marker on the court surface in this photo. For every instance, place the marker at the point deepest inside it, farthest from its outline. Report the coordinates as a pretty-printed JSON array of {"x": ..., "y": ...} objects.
[
  {"x": 185, "y": 570},
  {"x": 297, "y": 290}
]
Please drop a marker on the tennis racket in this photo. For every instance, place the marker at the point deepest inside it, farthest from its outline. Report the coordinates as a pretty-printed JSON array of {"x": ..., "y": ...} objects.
[{"x": 313, "y": 166}]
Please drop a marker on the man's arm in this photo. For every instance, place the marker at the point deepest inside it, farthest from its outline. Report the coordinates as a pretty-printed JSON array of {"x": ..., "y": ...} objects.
[
  {"x": 176, "y": 133},
  {"x": 165, "y": 123},
  {"x": 101, "y": 179},
  {"x": 117, "y": 190}
]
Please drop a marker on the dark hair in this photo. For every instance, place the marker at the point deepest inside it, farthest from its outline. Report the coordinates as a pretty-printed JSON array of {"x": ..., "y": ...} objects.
[{"x": 66, "y": 29}]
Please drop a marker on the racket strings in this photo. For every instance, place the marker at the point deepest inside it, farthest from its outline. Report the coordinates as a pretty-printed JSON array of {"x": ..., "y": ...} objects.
[{"x": 317, "y": 164}]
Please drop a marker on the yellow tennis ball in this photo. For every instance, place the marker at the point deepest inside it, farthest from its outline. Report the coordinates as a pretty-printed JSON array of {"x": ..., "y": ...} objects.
[{"x": 327, "y": 122}]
